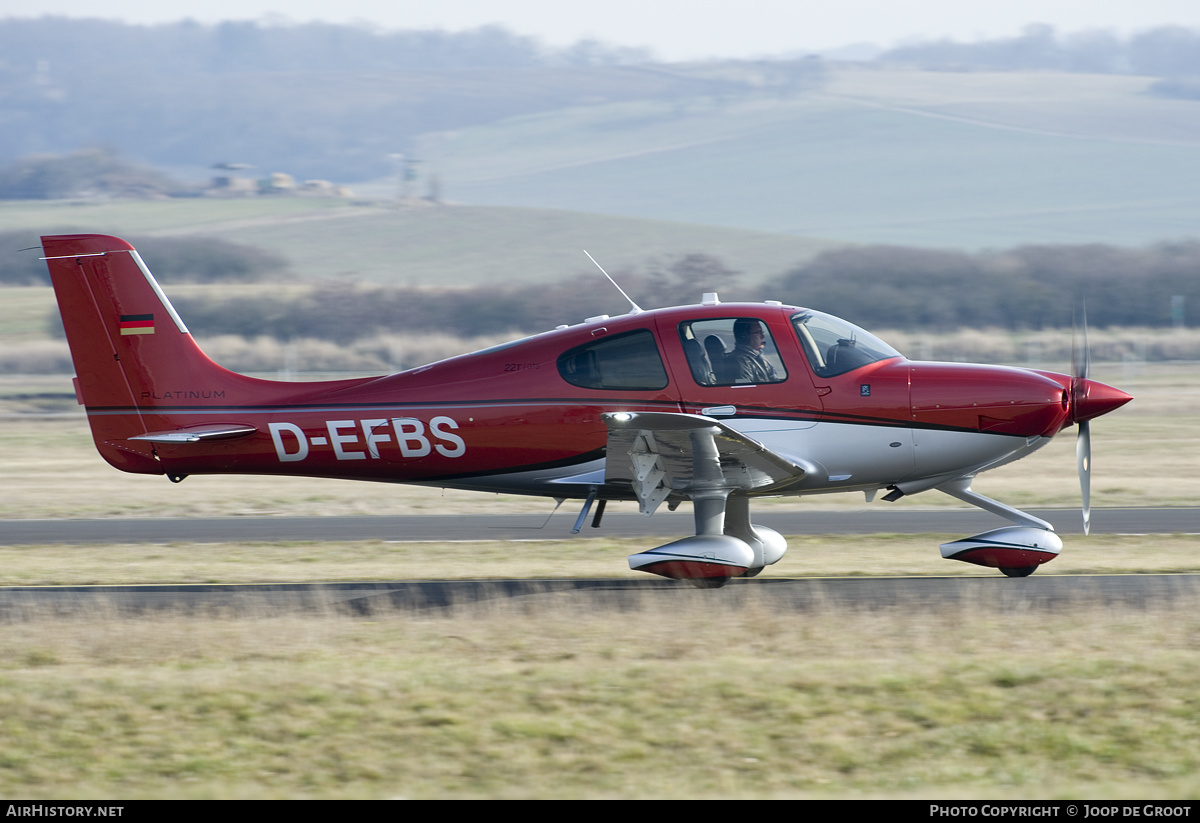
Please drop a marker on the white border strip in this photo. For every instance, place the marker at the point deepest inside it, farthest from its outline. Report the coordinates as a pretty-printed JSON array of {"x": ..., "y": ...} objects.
[{"x": 137, "y": 258}]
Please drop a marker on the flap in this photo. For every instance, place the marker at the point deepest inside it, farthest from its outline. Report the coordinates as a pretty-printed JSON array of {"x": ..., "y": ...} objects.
[{"x": 660, "y": 453}]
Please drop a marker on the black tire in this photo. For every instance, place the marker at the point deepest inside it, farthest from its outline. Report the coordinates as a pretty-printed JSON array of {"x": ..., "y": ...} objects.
[
  {"x": 1020, "y": 571},
  {"x": 708, "y": 582}
]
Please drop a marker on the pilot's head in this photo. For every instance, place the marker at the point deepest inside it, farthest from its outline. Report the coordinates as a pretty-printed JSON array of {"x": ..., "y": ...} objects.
[{"x": 749, "y": 332}]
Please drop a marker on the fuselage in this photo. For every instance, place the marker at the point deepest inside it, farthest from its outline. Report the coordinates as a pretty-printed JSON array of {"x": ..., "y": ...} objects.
[{"x": 526, "y": 417}]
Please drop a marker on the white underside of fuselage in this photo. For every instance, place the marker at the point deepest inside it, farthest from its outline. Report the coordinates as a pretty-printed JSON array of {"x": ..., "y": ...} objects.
[{"x": 848, "y": 456}]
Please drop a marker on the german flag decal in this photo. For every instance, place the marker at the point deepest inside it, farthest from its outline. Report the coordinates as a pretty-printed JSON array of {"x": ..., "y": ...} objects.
[{"x": 137, "y": 324}]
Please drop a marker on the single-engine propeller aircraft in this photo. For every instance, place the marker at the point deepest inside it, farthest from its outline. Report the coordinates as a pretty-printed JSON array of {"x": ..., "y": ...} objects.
[{"x": 716, "y": 403}]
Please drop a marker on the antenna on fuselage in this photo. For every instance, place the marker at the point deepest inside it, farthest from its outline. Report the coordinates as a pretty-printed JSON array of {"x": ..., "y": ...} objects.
[{"x": 636, "y": 308}]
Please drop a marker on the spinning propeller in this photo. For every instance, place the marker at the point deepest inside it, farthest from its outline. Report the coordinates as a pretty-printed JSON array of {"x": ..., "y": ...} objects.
[
  {"x": 1088, "y": 399},
  {"x": 1081, "y": 364}
]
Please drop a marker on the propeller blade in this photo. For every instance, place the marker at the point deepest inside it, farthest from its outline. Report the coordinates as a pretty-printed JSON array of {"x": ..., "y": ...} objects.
[
  {"x": 1081, "y": 366},
  {"x": 1083, "y": 458},
  {"x": 1081, "y": 357}
]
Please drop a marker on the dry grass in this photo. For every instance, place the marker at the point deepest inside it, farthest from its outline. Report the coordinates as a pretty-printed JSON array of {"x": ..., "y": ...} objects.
[{"x": 677, "y": 699}]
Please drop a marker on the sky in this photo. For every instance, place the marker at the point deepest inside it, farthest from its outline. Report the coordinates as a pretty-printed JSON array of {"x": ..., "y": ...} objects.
[{"x": 674, "y": 29}]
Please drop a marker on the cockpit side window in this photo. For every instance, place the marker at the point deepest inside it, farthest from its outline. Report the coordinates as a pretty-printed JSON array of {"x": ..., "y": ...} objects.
[
  {"x": 835, "y": 347},
  {"x": 626, "y": 362},
  {"x": 731, "y": 351}
]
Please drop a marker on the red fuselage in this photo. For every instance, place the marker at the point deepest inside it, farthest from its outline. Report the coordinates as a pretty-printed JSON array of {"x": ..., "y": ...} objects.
[{"x": 513, "y": 418}]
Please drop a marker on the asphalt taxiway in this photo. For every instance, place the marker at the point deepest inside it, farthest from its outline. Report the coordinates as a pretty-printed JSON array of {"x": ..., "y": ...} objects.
[{"x": 879, "y": 520}]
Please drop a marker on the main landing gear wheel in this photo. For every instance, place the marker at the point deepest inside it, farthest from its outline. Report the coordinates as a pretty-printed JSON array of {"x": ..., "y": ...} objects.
[
  {"x": 1020, "y": 571},
  {"x": 708, "y": 582}
]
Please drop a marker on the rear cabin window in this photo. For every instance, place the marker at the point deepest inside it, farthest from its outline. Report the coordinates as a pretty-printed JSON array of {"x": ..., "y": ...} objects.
[{"x": 626, "y": 362}]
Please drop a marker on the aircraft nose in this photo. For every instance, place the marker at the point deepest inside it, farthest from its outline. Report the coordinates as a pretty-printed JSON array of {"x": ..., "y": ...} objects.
[{"x": 1091, "y": 398}]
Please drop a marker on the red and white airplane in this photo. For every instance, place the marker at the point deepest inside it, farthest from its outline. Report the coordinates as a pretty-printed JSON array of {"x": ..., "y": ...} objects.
[{"x": 716, "y": 403}]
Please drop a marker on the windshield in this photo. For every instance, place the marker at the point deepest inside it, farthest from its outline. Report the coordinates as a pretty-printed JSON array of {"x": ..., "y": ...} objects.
[{"x": 834, "y": 346}]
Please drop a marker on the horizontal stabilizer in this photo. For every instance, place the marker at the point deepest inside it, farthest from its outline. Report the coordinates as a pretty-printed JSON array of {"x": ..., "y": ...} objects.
[{"x": 199, "y": 434}]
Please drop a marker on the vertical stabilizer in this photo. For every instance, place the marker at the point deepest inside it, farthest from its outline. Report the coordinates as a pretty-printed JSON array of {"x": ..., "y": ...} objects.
[
  {"x": 128, "y": 344},
  {"x": 137, "y": 368}
]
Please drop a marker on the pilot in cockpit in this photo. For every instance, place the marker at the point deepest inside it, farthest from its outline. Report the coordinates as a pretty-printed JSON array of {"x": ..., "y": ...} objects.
[{"x": 746, "y": 361}]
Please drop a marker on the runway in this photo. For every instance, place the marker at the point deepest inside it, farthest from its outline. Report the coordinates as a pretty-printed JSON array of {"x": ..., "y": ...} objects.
[
  {"x": 533, "y": 526},
  {"x": 1042, "y": 592}
]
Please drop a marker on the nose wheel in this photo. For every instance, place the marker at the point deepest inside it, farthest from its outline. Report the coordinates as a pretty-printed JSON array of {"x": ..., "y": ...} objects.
[
  {"x": 1019, "y": 571},
  {"x": 708, "y": 582}
]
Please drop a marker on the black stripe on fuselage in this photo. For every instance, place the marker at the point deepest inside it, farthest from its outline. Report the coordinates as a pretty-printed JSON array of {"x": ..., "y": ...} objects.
[{"x": 616, "y": 404}]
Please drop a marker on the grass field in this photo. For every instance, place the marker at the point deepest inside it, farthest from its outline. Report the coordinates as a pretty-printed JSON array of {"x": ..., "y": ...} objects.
[{"x": 679, "y": 699}]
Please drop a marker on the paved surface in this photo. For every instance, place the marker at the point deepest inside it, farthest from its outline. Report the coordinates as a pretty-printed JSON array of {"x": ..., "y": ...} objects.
[{"x": 532, "y": 526}]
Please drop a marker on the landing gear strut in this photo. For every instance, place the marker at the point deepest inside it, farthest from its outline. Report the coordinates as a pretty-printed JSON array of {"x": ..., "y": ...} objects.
[{"x": 1016, "y": 551}]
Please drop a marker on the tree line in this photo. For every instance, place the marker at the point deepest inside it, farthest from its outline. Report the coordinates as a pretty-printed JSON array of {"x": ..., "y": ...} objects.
[
  {"x": 176, "y": 260},
  {"x": 1027, "y": 287},
  {"x": 1165, "y": 51},
  {"x": 347, "y": 312},
  {"x": 886, "y": 287},
  {"x": 83, "y": 173},
  {"x": 882, "y": 287},
  {"x": 232, "y": 47}
]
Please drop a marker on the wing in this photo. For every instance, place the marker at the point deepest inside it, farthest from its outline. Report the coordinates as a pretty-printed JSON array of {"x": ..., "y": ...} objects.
[{"x": 660, "y": 453}]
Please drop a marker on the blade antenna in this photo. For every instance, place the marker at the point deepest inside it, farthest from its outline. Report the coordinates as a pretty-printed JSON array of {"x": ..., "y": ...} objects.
[
  {"x": 558, "y": 501},
  {"x": 636, "y": 309}
]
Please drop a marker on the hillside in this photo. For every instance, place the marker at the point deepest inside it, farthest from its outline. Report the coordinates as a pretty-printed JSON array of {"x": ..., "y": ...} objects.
[
  {"x": 967, "y": 156},
  {"x": 443, "y": 246},
  {"x": 966, "y": 160}
]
